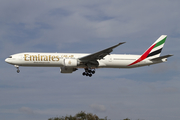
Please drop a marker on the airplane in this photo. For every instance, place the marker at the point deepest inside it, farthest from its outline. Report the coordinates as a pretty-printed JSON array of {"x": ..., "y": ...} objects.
[{"x": 70, "y": 62}]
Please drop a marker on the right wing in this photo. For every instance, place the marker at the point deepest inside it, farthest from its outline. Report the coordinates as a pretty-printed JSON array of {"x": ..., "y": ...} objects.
[{"x": 99, "y": 55}]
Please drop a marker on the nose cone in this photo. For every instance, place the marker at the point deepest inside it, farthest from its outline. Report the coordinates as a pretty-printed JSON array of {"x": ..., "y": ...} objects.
[{"x": 7, "y": 60}]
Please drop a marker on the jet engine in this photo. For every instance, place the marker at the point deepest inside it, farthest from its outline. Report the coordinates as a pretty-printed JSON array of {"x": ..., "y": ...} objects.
[
  {"x": 70, "y": 62},
  {"x": 69, "y": 65},
  {"x": 67, "y": 69}
]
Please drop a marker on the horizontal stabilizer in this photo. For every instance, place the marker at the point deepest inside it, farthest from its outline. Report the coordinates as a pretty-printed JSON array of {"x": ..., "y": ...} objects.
[{"x": 160, "y": 58}]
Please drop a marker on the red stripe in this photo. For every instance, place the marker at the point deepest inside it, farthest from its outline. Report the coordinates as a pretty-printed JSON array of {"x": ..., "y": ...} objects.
[{"x": 143, "y": 56}]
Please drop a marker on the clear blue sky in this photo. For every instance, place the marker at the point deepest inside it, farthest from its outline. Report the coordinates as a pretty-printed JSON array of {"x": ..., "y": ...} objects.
[{"x": 150, "y": 93}]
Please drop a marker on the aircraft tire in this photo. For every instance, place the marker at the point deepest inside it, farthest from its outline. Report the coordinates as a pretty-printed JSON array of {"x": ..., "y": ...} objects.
[
  {"x": 18, "y": 71},
  {"x": 90, "y": 75},
  {"x": 93, "y": 72},
  {"x": 87, "y": 74},
  {"x": 83, "y": 73}
]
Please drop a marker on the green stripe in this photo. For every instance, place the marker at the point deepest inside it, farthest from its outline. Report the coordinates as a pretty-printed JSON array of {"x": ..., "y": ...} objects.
[{"x": 160, "y": 42}]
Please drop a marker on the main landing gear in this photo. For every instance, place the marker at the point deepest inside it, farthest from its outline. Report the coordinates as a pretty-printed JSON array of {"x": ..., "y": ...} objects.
[
  {"x": 17, "y": 68},
  {"x": 88, "y": 72}
]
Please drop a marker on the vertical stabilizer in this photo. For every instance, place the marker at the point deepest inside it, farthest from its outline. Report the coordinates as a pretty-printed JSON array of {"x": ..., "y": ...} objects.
[
  {"x": 158, "y": 46},
  {"x": 153, "y": 51}
]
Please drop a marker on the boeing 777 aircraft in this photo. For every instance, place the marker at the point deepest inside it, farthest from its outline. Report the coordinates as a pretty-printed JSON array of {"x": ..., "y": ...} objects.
[{"x": 70, "y": 62}]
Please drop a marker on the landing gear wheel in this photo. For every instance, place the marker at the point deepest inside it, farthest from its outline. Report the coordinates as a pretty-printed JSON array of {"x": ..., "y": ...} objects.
[
  {"x": 17, "y": 68},
  {"x": 88, "y": 72},
  {"x": 83, "y": 73},
  {"x": 90, "y": 75},
  {"x": 18, "y": 71}
]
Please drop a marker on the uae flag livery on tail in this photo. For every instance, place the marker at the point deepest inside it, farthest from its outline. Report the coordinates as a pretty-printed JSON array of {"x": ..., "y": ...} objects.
[
  {"x": 153, "y": 51},
  {"x": 158, "y": 46}
]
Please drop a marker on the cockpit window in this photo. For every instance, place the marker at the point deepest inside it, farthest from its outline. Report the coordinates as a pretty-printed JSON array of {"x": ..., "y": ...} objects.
[{"x": 10, "y": 56}]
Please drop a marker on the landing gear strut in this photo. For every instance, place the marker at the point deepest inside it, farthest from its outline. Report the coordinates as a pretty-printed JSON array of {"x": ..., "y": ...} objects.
[
  {"x": 88, "y": 72},
  {"x": 17, "y": 68}
]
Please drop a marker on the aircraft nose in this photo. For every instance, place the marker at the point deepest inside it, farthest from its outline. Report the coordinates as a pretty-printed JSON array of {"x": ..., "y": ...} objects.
[{"x": 6, "y": 60}]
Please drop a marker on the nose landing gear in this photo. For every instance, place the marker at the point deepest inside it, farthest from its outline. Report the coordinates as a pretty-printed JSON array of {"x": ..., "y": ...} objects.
[
  {"x": 88, "y": 72},
  {"x": 18, "y": 71}
]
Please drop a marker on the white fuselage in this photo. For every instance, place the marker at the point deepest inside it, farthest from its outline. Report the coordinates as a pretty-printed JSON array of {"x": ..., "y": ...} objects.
[
  {"x": 59, "y": 60},
  {"x": 70, "y": 62}
]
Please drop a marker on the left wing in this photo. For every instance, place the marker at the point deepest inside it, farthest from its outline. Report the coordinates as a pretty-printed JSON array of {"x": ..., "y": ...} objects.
[{"x": 99, "y": 55}]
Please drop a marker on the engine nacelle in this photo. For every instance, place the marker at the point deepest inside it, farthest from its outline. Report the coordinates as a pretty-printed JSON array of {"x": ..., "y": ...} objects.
[
  {"x": 70, "y": 62},
  {"x": 67, "y": 69}
]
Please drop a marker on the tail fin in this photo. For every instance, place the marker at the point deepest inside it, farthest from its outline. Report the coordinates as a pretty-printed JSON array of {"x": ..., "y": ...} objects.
[
  {"x": 157, "y": 47},
  {"x": 153, "y": 51}
]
